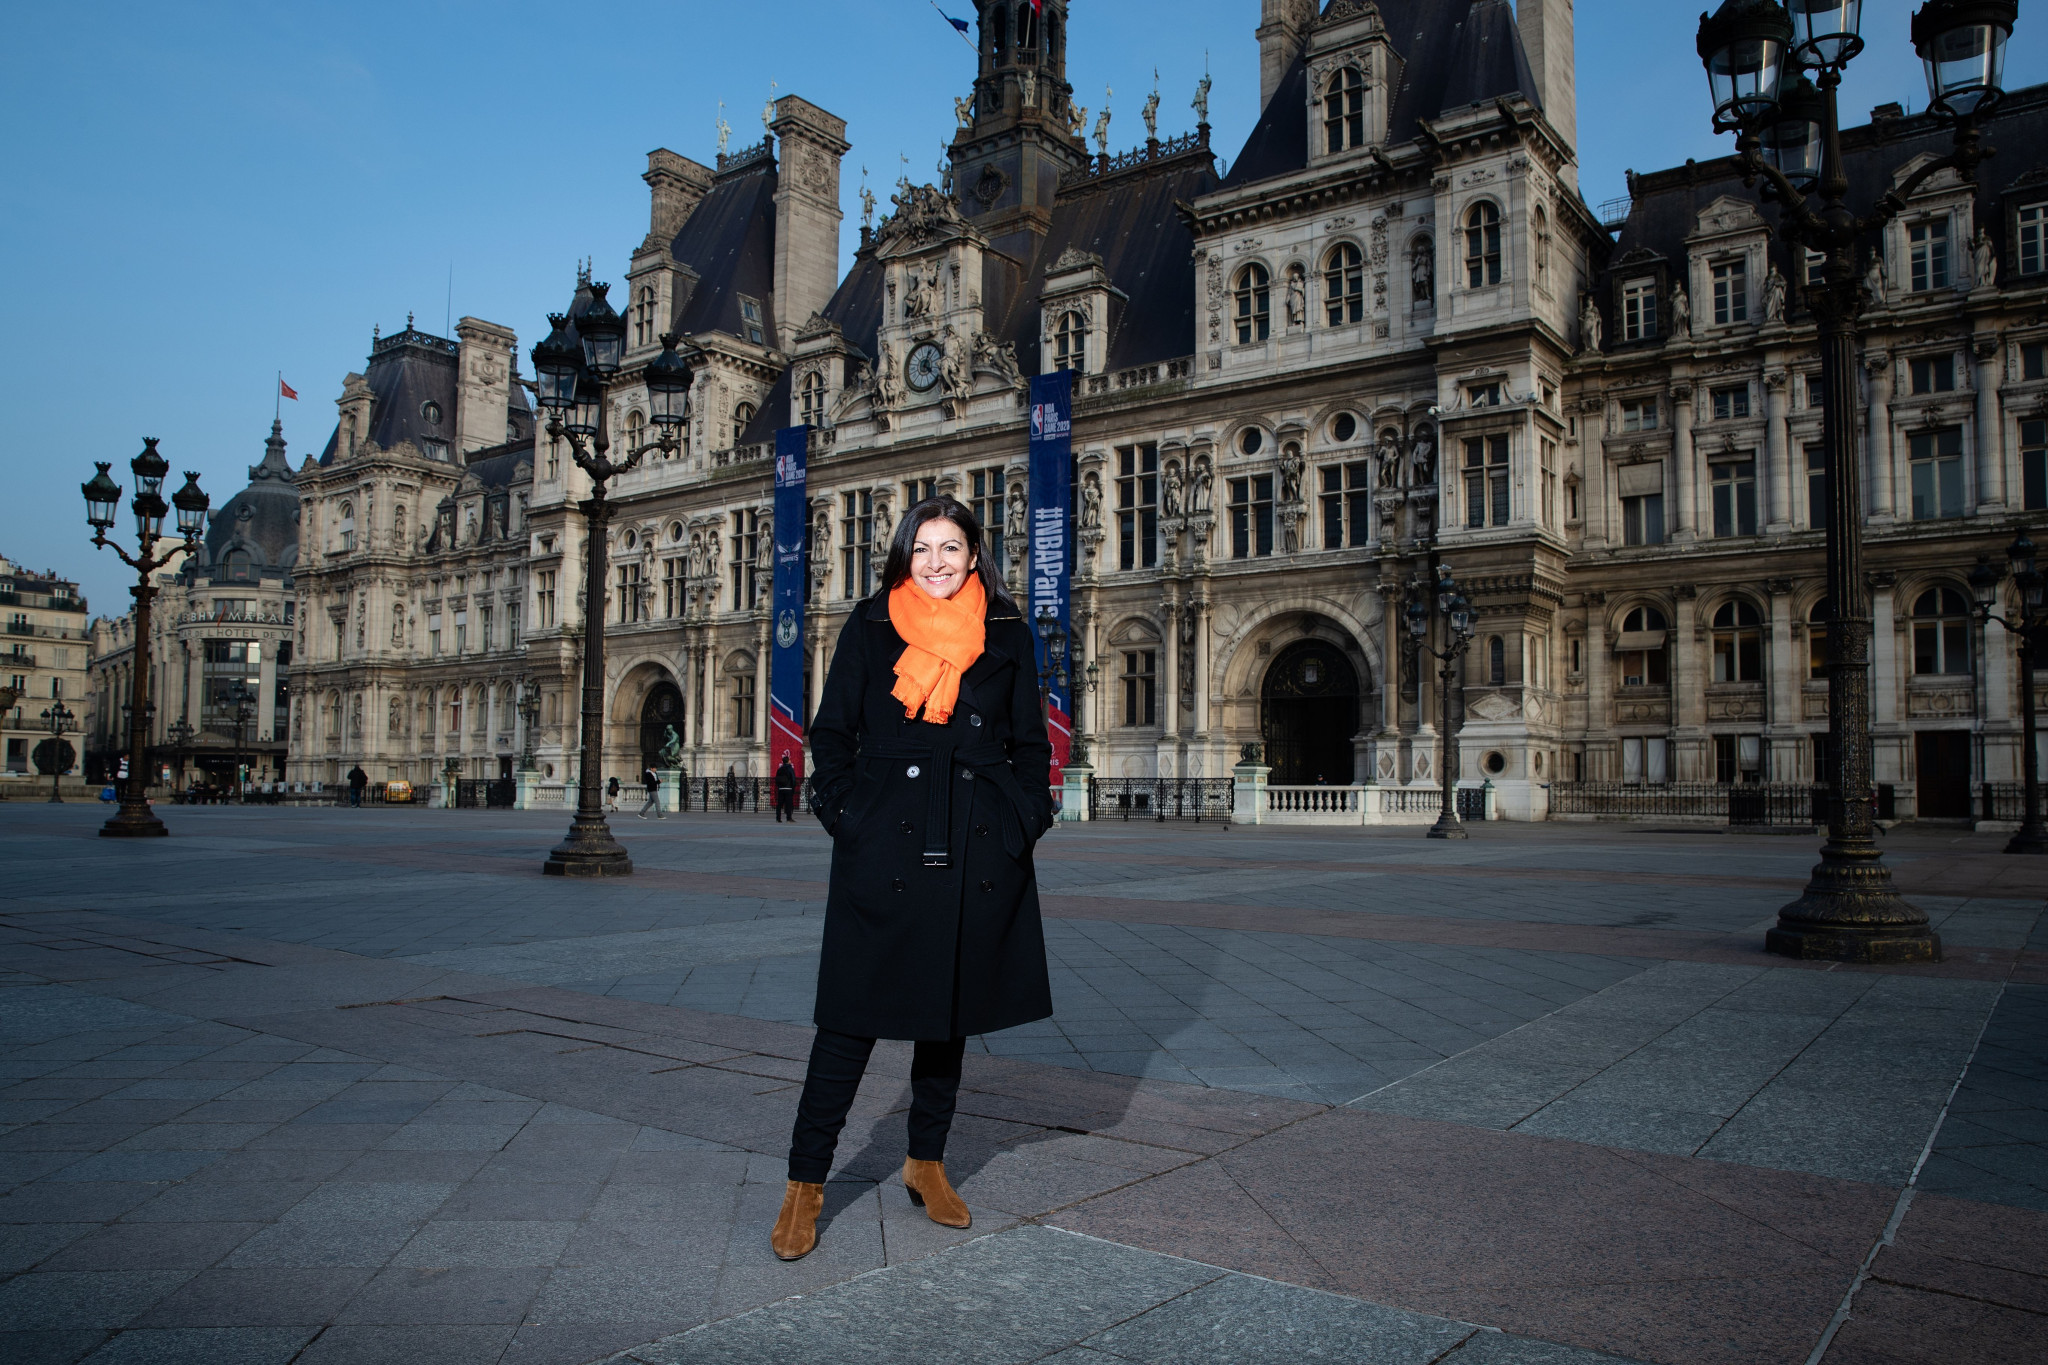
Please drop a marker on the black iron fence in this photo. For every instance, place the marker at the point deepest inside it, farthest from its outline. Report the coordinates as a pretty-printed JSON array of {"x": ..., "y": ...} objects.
[
  {"x": 1160, "y": 798},
  {"x": 499, "y": 793},
  {"x": 1749, "y": 804},
  {"x": 2003, "y": 801},
  {"x": 1777, "y": 803},
  {"x": 736, "y": 795},
  {"x": 1472, "y": 803}
]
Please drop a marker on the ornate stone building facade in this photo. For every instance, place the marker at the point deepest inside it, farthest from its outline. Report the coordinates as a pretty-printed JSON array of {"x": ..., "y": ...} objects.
[
  {"x": 43, "y": 660},
  {"x": 1392, "y": 335}
]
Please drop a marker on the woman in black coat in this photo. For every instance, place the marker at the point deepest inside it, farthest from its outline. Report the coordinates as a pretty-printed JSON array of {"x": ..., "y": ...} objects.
[{"x": 931, "y": 921}]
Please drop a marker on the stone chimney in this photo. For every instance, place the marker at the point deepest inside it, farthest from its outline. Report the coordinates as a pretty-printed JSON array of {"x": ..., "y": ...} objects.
[
  {"x": 1546, "y": 27},
  {"x": 484, "y": 372},
  {"x": 678, "y": 185},
  {"x": 806, "y": 211},
  {"x": 1283, "y": 28}
]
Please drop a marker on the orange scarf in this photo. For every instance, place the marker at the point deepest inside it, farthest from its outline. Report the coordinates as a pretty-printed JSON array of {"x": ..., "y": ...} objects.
[{"x": 942, "y": 637}]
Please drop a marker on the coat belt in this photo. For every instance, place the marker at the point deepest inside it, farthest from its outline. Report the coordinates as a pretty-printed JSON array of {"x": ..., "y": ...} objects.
[{"x": 982, "y": 759}]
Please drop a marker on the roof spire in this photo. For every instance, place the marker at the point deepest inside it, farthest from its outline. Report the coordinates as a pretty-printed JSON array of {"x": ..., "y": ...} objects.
[{"x": 274, "y": 464}]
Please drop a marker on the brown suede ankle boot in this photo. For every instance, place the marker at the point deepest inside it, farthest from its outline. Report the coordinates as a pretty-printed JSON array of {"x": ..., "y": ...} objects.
[
  {"x": 932, "y": 1192},
  {"x": 796, "y": 1230}
]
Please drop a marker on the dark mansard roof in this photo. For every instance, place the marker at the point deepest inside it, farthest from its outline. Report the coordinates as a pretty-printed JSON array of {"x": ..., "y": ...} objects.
[
  {"x": 1666, "y": 204},
  {"x": 1453, "y": 53},
  {"x": 413, "y": 376},
  {"x": 260, "y": 524},
  {"x": 729, "y": 240}
]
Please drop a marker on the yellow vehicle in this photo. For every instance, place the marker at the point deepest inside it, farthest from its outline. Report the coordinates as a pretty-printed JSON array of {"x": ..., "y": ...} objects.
[{"x": 397, "y": 793}]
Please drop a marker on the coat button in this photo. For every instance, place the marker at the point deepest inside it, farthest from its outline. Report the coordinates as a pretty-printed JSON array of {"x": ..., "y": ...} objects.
[
  {"x": 911, "y": 771},
  {"x": 982, "y": 830},
  {"x": 987, "y": 885},
  {"x": 974, "y": 721},
  {"x": 907, "y": 829},
  {"x": 896, "y": 885}
]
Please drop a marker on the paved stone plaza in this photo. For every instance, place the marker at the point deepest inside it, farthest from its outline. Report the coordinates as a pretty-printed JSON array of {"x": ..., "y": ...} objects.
[{"x": 363, "y": 1086}]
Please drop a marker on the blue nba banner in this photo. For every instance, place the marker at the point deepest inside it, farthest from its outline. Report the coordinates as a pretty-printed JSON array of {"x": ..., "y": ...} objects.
[
  {"x": 1052, "y": 425},
  {"x": 786, "y": 664}
]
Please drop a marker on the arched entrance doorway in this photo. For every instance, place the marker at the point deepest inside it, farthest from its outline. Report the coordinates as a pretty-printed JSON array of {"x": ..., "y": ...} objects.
[
  {"x": 662, "y": 709},
  {"x": 1308, "y": 712}
]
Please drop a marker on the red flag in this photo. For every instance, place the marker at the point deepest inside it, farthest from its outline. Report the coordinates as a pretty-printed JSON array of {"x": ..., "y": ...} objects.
[{"x": 285, "y": 390}]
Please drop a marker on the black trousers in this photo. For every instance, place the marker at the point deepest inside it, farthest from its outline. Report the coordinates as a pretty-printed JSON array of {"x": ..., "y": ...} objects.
[{"x": 838, "y": 1060}]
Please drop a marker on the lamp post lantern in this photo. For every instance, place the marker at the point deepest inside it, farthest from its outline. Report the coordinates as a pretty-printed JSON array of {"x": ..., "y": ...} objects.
[
  {"x": 574, "y": 367},
  {"x": 1456, "y": 614},
  {"x": 102, "y": 498},
  {"x": 58, "y": 717},
  {"x": 1774, "y": 71},
  {"x": 2029, "y": 625}
]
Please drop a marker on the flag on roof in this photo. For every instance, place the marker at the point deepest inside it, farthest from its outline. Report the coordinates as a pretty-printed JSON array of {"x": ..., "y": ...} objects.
[{"x": 285, "y": 390}]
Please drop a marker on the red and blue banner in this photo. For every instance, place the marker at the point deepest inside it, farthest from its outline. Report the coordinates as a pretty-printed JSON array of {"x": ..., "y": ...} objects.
[
  {"x": 786, "y": 662},
  {"x": 1052, "y": 556}
]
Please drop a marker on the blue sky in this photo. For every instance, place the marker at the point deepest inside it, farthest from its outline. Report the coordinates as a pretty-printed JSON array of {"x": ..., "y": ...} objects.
[{"x": 196, "y": 196}]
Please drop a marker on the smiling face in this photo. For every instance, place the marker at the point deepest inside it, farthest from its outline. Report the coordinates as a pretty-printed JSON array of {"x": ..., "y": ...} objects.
[{"x": 941, "y": 559}]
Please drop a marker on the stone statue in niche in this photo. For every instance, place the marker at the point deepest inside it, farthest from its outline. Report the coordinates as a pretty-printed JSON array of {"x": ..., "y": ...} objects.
[
  {"x": 1589, "y": 326},
  {"x": 394, "y": 722},
  {"x": 1983, "y": 261},
  {"x": 1091, "y": 502},
  {"x": 1027, "y": 86},
  {"x": 1291, "y": 467},
  {"x": 1297, "y": 297},
  {"x": 884, "y": 524},
  {"x": 1422, "y": 273},
  {"x": 918, "y": 298},
  {"x": 355, "y": 717},
  {"x": 1015, "y": 515},
  {"x": 1202, "y": 485},
  {"x": 1170, "y": 490},
  {"x": 1681, "y": 312},
  {"x": 1774, "y": 296},
  {"x": 1874, "y": 278},
  {"x": 1387, "y": 458},
  {"x": 398, "y": 625},
  {"x": 1422, "y": 461},
  {"x": 955, "y": 373},
  {"x": 888, "y": 390}
]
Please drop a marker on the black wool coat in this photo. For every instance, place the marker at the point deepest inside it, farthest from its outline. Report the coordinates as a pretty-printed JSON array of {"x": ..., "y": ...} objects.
[{"x": 931, "y": 920}]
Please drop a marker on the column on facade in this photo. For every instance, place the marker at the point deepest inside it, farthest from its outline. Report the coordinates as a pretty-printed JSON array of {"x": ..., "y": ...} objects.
[
  {"x": 1200, "y": 664},
  {"x": 1688, "y": 670},
  {"x": 195, "y": 685},
  {"x": 1998, "y": 704},
  {"x": 1169, "y": 681},
  {"x": 266, "y": 699},
  {"x": 1878, "y": 366},
  {"x": 1682, "y": 478},
  {"x": 764, "y": 733},
  {"x": 1782, "y": 709},
  {"x": 814, "y": 683},
  {"x": 1990, "y": 435},
  {"x": 1777, "y": 452},
  {"x": 1593, "y": 473},
  {"x": 1597, "y": 661},
  {"x": 1887, "y": 679}
]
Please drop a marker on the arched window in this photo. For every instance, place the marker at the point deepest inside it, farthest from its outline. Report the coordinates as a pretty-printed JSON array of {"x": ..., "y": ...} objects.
[
  {"x": 999, "y": 31},
  {"x": 1254, "y": 304},
  {"x": 1817, "y": 640},
  {"x": 742, "y": 418},
  {"x": 1941, "y": 632},
  {"x": 1344, "y": 284},
  {"x": 1482, "y": 246},
  {"x": 235, "y": 566},
  {"x": 1344, "y": 111},
  {"x": 636, "y": 429},
  {"x": 1642, "y": 653},
  {"x": 1027, "y": 29},
  {"x": 1738, "y": 643},
  {"x": 811, "y": 400},
  {"x": 1497, "y": 661},
  {"x": 1054, "y": 39},
  {"x": 1070, "y": 343},
  {"x": 1542, "y": 249},
  {"x": 347, "y": 526}
]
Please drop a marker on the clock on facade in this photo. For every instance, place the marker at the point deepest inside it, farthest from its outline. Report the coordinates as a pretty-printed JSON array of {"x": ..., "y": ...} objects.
[{"x": 923, "y": 367}]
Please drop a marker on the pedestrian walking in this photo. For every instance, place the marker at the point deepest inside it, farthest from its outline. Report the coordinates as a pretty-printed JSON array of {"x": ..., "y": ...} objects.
[
  {"x": 785, "y": 790},
  {"x": 358, "y": 780},
  {"x": 652, "y": 780},
  {"x": 932, "y": 772},
  {"x": 611, "y": 794}
]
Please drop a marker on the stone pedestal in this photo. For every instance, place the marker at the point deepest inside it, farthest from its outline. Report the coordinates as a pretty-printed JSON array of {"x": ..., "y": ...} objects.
[
  {"x": 525, "y": 780},
  {"x": 1248, "y": 793},
  {"x": 1074, "y": 791},
  {"x": 671, "y": 789}
]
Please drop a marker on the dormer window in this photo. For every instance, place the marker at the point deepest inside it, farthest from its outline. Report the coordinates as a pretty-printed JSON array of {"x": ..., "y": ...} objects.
[
  {"x": 750, "y": 320},
  {"x": 1639, "y": 310},
  {"x": 1485, "y": 395},
  {"x": 1344, "y": 111},
  {"x": 2032, "y": 239},
  {"x": 1344, "y": 284},
  {"x": 1731, "y": 292},
  {"x": 742, "y": 418},
  {"x": 1070, "y": 343},
  {"x": 811, "y": 400},
  {"x": 643, "y": 317},
  {"x": 1927, "y": 248},
  {"x": 1482, "y": 246},
  {"x": 1254, "y": 305}
]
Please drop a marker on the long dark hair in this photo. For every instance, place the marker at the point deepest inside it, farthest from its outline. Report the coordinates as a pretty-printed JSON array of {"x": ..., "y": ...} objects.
[{"x": 943, "y": 507}]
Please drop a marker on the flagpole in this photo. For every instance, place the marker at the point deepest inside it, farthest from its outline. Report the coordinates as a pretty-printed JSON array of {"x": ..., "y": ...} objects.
[
  {"x": 277, "y": 399},
  {"x": 949, "y": 24}
]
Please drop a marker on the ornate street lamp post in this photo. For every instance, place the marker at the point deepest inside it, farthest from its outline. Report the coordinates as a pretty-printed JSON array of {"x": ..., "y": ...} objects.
[
  {"x": 1774, "y": 70},
  {"x": 529, "y": 713},
  {"x": 1457, "y": 617},
  {"x": 58, "y": 717},
  {"x": 575, "y": 365},
  {"x": 244, "y": 703},
  {"x": 2031, "y": 628},
  {"x": 102, "y": 496},
  {"x": 179, "y": 733},
  {"x": 1053, "y": 673}
]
